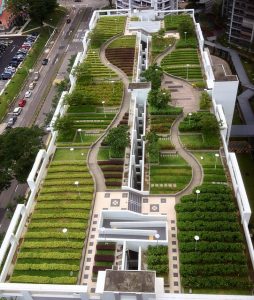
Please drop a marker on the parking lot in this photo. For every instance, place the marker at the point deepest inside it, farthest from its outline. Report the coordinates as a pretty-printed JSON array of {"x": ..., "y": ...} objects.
[{"x": 15, "y": 43}]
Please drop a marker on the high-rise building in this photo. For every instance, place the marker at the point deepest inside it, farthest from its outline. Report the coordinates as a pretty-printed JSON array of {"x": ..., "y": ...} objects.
[
  {"x": 156, "y": 4},
  {"x": 240, "y": 21}
]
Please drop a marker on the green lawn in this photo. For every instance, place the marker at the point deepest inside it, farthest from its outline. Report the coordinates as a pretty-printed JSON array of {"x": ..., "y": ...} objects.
[
  {"x": 103, "y": 154},
  {"x": 67, "y": 153},
  {"x": 159, "y": 44},
  {"x": 199, "y": 141}
]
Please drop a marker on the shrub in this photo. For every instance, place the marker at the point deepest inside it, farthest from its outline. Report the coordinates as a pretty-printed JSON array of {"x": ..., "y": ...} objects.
[{"x": 205, "y": 101}]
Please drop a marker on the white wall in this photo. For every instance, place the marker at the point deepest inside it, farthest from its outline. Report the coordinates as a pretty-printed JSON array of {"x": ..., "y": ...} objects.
[{"x": 224, "y": 93}]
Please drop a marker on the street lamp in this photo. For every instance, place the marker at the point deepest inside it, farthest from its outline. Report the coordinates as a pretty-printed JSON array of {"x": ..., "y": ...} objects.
[
  {"x": 189, "y": 114},
  {"x": 65, "y": 231},
  {"x": 71, "y": 149},
  {"x": 196, "y": 238},
  {"x": 77, "y": 184},
  {"x": 197, "y": 193},
  {"x": 216, "y": 157},
  {"x": 201, "y": 157},
  {"x": 185, "y": 33},
  {"x": 112, "y": 81},
  {"x": 80, "y": 133},
  {"x": 94, "y": 58},
  {"x": 187, "y": 72},
  {"x": 157, "y": 236},
  {"x": 103, "y": 102}
]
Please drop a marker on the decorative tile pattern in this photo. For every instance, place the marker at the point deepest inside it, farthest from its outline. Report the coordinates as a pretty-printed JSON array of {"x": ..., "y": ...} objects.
[
  {"x": 90, "y": 251},
  {"x": 173, "y": 242},
  {"x": 94, "y": 222},
  {"x": 115, "y": 202},
  {"x": 154, "y": 207},
  {"x": 88, "y": 259},
  {"x": 86, "y": 276},
  {"x": 173, "y": 221},
  {"x": 107, "y": 195},
  {"x": 145, "y": 200},
  {"x": 176, "y": 283},
  {"x": 163, "y": 200},
  {"x": 173, "y": 235},
  {"x": 125, "y": 195},
  {"x": 87, "y": 268}
]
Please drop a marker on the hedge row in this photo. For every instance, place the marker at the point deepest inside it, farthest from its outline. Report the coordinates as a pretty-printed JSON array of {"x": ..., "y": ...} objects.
[
  {"x": 215, "y": 206},
  {"x": 46, "y": 267},
  {"x": 43, "y": 280},
  {"x": 55, "y": 244},
  {"x": 209, "y": 226},
  {"x": 51, "y": 255},
  {"x": 219, "y": 257}
]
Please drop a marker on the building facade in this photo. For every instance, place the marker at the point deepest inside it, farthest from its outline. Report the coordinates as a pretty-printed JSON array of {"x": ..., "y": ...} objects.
[
  {"x": 240, "y": 21},
  {"x": 143, "y": 4}
]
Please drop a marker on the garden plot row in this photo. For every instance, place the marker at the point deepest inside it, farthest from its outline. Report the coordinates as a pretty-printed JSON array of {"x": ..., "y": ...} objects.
[
  {"x": 217, "y": 259},
  {"x": 157, "y": 260},
  {"x": 104, "y": 257},
  {"x": 96, "y": 68},
  {"x": 161, "y": 124},
  {"x": 113, "y": 172},
  {"x": 49, "y": 254},
  {"x": 123, "y": 58},
  {"x": 88, "y": 121},
  {"x": 183, "y": 63},
  {"x": 93, "y": 94},
  {"x": 121, "y": 53},
  {"x": 106, "y": 28}
]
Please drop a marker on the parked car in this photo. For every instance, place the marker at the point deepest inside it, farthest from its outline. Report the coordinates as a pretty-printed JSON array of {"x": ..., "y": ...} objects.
[
  {"x": 68, "y": 20},
  {"x": 45, "y": 61},
  {"x": 32, "y": 85},
  {"x": 36, "y": 76},
  {"x": 11, "y": 122},
  {"x": 17, "y": 111},
  {"x": 28, "y": 94},
  {"x": 22, "y": 102},
  {"x": 6, "y": 76}
]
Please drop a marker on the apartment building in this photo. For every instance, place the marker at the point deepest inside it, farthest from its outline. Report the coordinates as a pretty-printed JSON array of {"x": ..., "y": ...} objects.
[
  {"x": 240, "y": 21},
  {"x": 143, "y": 4}
]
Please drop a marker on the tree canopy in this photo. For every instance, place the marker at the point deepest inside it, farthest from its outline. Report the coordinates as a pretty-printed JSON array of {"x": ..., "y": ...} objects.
[
  {"x": 118, "y": 139},
  {"x": 188, "y": 27},
  {"x": 37, "y": 9},
  {"x": 209, "y": 125},
  {"x": 159, "y": 98},
  {"x": 18, "y": 149},
  {"x": 154, "y": 74}
]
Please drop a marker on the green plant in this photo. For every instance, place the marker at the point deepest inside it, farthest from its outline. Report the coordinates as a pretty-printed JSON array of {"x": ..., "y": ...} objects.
[
  {"x": 154, "y": 74},
  {"x": 159, "y": 98}
]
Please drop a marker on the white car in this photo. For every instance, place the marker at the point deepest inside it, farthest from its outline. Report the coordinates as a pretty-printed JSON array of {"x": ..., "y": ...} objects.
[{"x": 28, "y": 94}]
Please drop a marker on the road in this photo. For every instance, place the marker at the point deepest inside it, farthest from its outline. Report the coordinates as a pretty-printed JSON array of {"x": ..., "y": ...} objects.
[{"x": 67, "y": 43}]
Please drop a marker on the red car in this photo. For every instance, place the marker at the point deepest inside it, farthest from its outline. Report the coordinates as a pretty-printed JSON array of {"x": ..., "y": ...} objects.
[{"x": 22, "y": 103}]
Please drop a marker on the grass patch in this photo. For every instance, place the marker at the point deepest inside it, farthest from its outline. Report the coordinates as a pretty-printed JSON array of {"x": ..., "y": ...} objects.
[
  {"x": 67, "y": 154},
  {"x": 103, "y": 154}
]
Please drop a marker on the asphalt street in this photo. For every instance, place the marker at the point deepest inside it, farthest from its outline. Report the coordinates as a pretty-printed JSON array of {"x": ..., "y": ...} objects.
[{"x": 59, "y": 50}]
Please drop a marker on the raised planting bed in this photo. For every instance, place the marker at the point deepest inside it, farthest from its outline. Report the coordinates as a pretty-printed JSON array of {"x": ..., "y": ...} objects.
[
  {"x": 94, "y": 94},
  {"x": 161, "y": 124},
  {"x": 157, "y": 260},
  {"x": 212, "y": 167},
  {"x": 113, "y": 171},
  {"x": 121, "y": 53},
  {"x": 183, "y": 63},
  {"x": 106, "y": 28},
  {"x": 212, "y": 216},
  {"x": 48, "y": 255}
]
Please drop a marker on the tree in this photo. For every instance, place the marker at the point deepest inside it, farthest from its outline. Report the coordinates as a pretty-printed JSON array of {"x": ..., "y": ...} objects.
[
  {"x": 18, "y": 149},
  {"x": 154, "y": 74},
  {"x": 110, "y": 3},
  {"x": 209, "y": 125},
  {"x": 205, "y": 101},
  {"x": 37, "y": 9},
  {"x": 188, "y": 27},
  {"x": 159, "y": 98},
  {"x": 84, "y": 74},
  {"x": 75, "y": 98},
  {"x": 118, "y": 139},
  {"x": 64, "y": 125}
]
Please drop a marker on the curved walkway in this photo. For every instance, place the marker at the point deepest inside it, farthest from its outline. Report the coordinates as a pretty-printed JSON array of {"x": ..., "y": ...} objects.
[
  {"x": 167, "y": 51},
  {"x": 183, "y": 95},
  {"x": 92, "y": 157}
]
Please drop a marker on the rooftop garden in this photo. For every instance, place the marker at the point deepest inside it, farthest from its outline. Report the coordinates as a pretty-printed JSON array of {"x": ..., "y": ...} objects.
[
  {"x": 51, "y": 250},
  {"x": 52, "y": 247},
  {"x": 184, "y": 61},
  {"x": 210, "y": 239}
]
